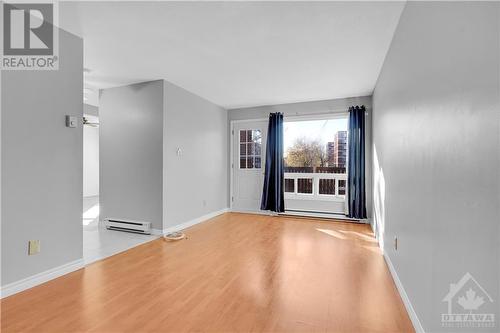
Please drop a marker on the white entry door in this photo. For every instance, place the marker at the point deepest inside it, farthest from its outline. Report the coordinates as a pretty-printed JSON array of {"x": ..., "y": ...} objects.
[{"x": 248, "y": 165}]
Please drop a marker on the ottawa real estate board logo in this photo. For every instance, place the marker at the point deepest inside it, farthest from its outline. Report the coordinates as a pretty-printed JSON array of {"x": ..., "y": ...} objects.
[
  {"x": 30, "y": 36},
  {"x": 469, "y": 305}
]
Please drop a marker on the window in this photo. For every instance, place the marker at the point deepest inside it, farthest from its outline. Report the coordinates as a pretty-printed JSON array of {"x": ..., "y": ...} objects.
[
  {"x": 315, "y": 158},
  {"x": 315, "y": 146},
  {"x": 250, "y": 149}
]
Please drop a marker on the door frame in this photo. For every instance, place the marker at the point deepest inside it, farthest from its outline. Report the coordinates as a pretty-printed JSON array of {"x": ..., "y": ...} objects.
[{"x": 231, "y": 159}]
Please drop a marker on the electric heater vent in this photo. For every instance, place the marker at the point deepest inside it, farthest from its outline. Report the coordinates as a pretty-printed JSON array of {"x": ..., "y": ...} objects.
[{"x": 128, "y": 226}]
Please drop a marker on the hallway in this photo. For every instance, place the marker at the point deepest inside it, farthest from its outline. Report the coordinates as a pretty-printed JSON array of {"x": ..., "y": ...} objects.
[{"x": 98, "y": 242}]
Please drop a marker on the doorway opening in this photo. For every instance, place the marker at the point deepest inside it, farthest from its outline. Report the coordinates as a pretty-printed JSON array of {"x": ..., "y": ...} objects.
[
  {"x": 90, "y": 170},
  {"x": 99, "y": 242}
]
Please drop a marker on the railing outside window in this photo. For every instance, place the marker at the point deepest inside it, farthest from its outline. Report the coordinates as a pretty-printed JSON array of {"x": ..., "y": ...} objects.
[{"x": 320, "y": 183}]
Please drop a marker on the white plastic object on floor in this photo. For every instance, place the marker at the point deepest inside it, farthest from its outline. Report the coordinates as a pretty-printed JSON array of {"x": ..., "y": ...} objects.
[{"x": 173, "y": 236}]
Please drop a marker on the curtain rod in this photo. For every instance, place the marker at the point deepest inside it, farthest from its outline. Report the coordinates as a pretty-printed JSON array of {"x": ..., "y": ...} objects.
[
  {"x": 316, "y": 113},
  {"x": 291, "y": 113},
  {"x": 296, "y": 114}
]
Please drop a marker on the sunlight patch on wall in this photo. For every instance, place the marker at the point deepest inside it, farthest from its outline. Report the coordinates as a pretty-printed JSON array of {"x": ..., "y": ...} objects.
[{"x": 378, "y": 198}]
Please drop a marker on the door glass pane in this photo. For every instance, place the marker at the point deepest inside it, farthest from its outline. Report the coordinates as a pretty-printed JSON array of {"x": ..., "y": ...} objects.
[
  {"x": 256, "y": 136},
  {"x": 243, "y": 136},
  {"x": 243, "y": 163},
  {"x": 257, "y": 162},
  {"x": 251, "y": 148},
  {"x": 249, "y": 162},
  {"x": 243, "y": 149},
  {"x": 257, "y": 148},
  {"x": 289, "y": 185}
]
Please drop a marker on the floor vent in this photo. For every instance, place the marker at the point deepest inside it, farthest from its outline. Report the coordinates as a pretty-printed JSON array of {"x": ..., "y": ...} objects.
[{"x": 128, "y": 226}]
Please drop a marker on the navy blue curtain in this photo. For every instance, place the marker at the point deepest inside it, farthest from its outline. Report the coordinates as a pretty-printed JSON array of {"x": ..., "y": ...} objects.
[
  {"x": 356, "y": 195},
  {"x": 273, "y": 193}
]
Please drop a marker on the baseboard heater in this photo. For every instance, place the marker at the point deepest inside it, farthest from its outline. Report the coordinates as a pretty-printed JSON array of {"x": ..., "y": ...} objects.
[
  {"x": 128, "y": 226},
  {"x": 327, "y": 215}
]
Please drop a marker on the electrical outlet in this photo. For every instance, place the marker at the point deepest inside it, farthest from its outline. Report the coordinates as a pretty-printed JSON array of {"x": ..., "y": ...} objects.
[
  {"x": 395, "y": 243},
  {"x": 33, "y": 247}
]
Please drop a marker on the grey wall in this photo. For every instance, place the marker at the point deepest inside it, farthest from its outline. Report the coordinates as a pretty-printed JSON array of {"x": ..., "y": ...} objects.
[
  {"x": 130, "y": 154},
  {"x": 195, "y": 181},
  {"x": 141, "y": 175},
  {"x": 314, "y": 108},
  {"x": 42, "y": 164},
  {"x": 304, "y": 108},
  {"x": 436, "y": 152}
]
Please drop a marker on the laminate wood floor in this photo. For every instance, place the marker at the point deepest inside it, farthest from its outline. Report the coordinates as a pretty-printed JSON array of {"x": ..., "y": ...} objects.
[{"x": 234, "y": 273}]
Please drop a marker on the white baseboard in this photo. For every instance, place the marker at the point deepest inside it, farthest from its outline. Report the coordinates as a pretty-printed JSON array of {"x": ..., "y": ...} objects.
[
  {"x": 302, "y": 214},
  {"x": 404, "y": 296},
  {"x": 190, "y": 223},
  {"x": 34, "y": 280},
  {"x": 331, "y": 216},
  {"x": 258, "y": 212}
]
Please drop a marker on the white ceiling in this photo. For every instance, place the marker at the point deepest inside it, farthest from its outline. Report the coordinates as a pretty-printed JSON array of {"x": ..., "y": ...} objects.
[{"x": 237, "y": 53}]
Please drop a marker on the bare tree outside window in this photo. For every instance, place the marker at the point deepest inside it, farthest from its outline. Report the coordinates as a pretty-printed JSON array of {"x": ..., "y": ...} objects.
[{"x": 306, "y": 153}]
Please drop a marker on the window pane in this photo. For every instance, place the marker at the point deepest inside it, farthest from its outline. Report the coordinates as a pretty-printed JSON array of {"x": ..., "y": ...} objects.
[
  {"x": 243, "y": 136},
  {"x": 304, "y": 185},
  {"x": 318, "y": 146},
  {"x": 243, "y": 163},
  {"x": 249, "y": 135},
  {"x": 289, "y": 185},
  {"x": 249, "y": 162},
  {"x": 327, "y": 186},
  {"x": 243, "y": 149},
  {"x": 341, "y": 187},
  {"x": 257, "y": 162}
]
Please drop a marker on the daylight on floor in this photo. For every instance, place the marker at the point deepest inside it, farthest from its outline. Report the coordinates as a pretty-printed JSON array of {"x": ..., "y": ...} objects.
[{"x": 250, "y": 166}]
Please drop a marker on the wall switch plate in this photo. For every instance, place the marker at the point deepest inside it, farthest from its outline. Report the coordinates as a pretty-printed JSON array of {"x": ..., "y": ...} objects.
[
  {"x": 71, "y": 121},
  {"x": 395, "y": 243},
  {"x": 33, "y": 247}
]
